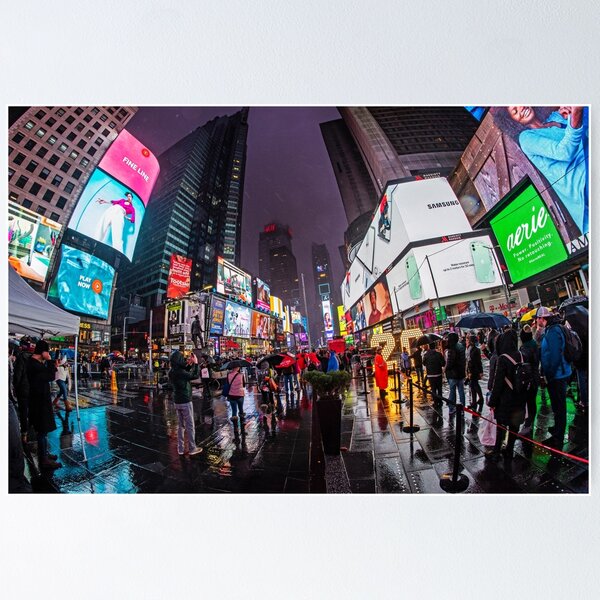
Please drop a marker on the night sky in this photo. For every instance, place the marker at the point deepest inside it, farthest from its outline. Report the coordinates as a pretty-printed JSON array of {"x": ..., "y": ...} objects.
[{"x": 288, "y": 177}]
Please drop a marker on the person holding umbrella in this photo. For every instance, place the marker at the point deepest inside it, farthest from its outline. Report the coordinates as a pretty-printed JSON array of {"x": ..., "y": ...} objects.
[
  {"x": 235, "y": 395},
  {"x": 381, "y": 374}
]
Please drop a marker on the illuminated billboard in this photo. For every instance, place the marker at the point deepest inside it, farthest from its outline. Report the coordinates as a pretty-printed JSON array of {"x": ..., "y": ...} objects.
[
  {"x": 342, "y": 320},
  {"x": 217, "y": 307},
  {"x": 112, "y": 205},
  {"x": 550, "y": 146},
  {"x": 83, "y": 283},
  {"x": 296, "y": 317},
  {"x": 31, "y": 242},
  {"x": 277, "y": 306},
  {"x": 527, "y": 236},
  {"x": 327, "y": 320},
  {"x": 260, "y": 326},
  {"x": 263, "y": 295},
  {"x": 178, "y": 282},
  {"x": 237, "y": 320},
  {"x": 378, "y": 304},
  {"x": 175, "y": 323},
  {"x": 233, "y": 282}
]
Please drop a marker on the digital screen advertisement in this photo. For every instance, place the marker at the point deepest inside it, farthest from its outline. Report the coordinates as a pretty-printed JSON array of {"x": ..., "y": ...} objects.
[
  {"x": 217, "y": 315},
  {"x": 234, "y": 282},
  {"x": 194, "y": 335},
  {"x": 349, "y": 322},
  {"x": 527, "y": 235},
  {"x": 83, "y": 283},
  {"x": 237, "y": 320},
  {"x": 277, "y": 306},
  {"x": 342, "y": 320},
  {"x": 263, "y": 295},
  {"x": 378, "y": 303},
  {"x": 178, "y": 283},
  {"x": 260, "y": 326},
  {"x": 327, "y": 319},
  {"x": 31, "y": 242},
  {"x": 175, "y": 323}
]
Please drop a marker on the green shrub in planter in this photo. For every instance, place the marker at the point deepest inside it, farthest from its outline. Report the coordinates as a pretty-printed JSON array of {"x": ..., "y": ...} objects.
[{"x": 328, "y": 385}]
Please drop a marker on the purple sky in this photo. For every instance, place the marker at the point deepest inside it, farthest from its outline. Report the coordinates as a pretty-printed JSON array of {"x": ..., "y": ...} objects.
[{"x": 288, "y": 176}]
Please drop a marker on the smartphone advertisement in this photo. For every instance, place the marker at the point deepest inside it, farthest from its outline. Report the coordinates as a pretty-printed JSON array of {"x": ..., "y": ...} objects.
[{"x": 83, "y": 283}]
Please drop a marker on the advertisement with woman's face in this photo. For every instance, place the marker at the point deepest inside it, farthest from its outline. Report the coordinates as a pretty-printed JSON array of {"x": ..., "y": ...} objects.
[
  {"x": 378, "y": 304},
  {"x": 109, "y": 213}
]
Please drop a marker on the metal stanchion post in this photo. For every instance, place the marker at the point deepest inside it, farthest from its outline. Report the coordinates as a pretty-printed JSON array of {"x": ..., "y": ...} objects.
[
  {"x": 456, "y": 482},
  {"x": 411, "y": 427},
  {"x": 395, "y": 388},
  {"x": 365, "y": 384},
  {"x": 364, "y": 392}
]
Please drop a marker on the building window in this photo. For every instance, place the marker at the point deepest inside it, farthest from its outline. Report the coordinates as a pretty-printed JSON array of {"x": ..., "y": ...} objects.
[
  {"x": 57, "y": 180},
  {"x": 11, "y": 172},
  {"x": 69, "y": 187},
  {"x": 112, "y": 124},
  {"x": 95, "y": 111},
  {"x": 111, "y": 110},
  {"x": 87, "y": 118},
  {"x": 77, "y": 174},
  {"x": 44, "y": 173},
  {"x": 35, "y": 188},
  {"x": 61, "y": 202},
  {"x": 12, "y": 196},
  {"x": 70, "y": 119},
  {"x": 53, "y": 159},
  {"x": 30, "y": 145},
  {"x": 40, "y": 114},
  {"x": 103, "y": 117},
  {"x": 18, "y": 137},
  {"x": 62, "y": 147},
  {"x": 91, "y": 151},
  {"x": 54, "y": 216},
  {"x": 79, "y": 126},
  {"x": 99, "y": 141},
  {"x": 40, "y": 132},
  {"x": 96, "y": 126},
  {"x": 60, "y": 112},
  {"x": 52, "y": 140},
  {"x": 22, "y": 181},
  {"x": 65, "y": 167},
  {"x": 19, "y": 158},
  {"x": 40, "y": 210},
  {"x": 48, "y": 195},
  {"x": 32, "y": 166},
  {"x": 42, "y": 152},
  {"x": 71, "y": 137},
  {"x": 78, "y": 111},
  {"x": 61, "y": 129},
  {"x": 10, "y": 149},
  {"x": 105, "y": 132},
  {"x": 27, "y": 203},
  {"x": 74, "y": 154},
  {"x": 29, "y": 125},
  {"x": 81, "y": 144},
  {"x": 89, "y": 134},
  {"x": 50, "y": 121},
  {"x": 84, "y": 162}
]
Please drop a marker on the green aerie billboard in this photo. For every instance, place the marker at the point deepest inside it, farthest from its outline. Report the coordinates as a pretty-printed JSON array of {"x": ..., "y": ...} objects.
[{"x": 527, "y": 236}]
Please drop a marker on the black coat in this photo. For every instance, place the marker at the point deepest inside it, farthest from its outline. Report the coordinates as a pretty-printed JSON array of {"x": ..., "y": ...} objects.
[
  {"x": 474, "y": 364},
  {"x": 434, "y": 362},
  {"x": 41, "y": 414},
  {"x": 455, "y": 358},
  {"x": 181, "y": 376}
]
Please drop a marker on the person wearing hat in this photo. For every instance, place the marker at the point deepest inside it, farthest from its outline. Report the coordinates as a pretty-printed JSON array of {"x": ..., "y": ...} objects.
[
  {"x": 557, "y": 372},
  {"x": 41, "y": 370}
]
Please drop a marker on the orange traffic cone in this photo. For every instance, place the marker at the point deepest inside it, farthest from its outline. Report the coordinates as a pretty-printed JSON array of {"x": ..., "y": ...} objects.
[{"x": 113, "y": 382}]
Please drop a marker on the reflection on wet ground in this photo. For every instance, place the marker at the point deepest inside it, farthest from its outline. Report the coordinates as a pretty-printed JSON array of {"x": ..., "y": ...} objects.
[{"x": 130, "y": 440}]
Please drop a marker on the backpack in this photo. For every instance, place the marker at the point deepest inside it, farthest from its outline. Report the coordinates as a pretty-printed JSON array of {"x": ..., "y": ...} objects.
[
  {"x": 573, "y": 346},
  {"x": 524, "y": 377}
]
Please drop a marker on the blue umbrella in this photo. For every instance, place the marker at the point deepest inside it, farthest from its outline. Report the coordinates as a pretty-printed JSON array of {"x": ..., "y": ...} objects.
[{"x": 480, "y": 320}]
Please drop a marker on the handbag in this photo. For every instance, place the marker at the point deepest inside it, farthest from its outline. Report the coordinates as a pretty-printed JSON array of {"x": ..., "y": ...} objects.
[
  {"x": 487, "y": 434},
  {"x": 227, "y": 385}
]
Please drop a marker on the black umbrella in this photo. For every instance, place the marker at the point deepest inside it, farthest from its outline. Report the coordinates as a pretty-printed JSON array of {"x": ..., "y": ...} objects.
[
  {"x": 273, "y": 359},
  {"x": 479, "y": 320},
  {"x": 575, "y": 301},
  {"x": 425, "y": 340},
  {"x": 237, "y": 363}
]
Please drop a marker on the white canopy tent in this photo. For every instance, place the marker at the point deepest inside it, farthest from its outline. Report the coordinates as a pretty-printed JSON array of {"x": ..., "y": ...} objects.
[{"x": 29, "y": 313}]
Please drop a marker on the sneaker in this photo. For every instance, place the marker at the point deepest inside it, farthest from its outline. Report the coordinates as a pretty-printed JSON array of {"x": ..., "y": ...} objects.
[
  {"x": 180, "y": 453},
  {"x": 198, "y": 450}
]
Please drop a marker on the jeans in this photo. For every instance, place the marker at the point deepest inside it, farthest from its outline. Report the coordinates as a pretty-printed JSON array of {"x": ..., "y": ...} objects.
[
  {"x": 557, "y": 390},
  {"x": 296, "y": 382},
  {"x": 288, "y": 383},
  {"x": 62, "y": 389},
  {"x": 237, "y": 402},
  {"x": 454, "y": 384},
  {"x": 419, "y": 372},
  {"x": 436, "y": 388},
  {"x": 582, "y": 382},
  {"x": 185, "y": 424}
]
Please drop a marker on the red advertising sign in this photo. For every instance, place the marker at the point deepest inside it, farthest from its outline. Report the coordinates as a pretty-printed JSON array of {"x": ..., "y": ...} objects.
[{"x": 179, "y": 276}]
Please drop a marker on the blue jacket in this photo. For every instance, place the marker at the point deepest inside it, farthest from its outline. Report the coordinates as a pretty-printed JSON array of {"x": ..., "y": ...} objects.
[{"x": 554, "y": 365}]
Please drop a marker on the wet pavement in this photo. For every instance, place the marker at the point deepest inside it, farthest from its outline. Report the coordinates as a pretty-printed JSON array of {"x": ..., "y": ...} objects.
[{"x": 131, "y": 448}]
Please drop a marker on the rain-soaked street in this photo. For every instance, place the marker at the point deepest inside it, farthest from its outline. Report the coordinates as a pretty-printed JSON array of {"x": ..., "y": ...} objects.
[{"x": 131, "y": 448}]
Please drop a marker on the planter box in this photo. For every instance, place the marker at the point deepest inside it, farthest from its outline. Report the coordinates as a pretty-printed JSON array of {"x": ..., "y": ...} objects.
[{"x": 329, "y": 411}]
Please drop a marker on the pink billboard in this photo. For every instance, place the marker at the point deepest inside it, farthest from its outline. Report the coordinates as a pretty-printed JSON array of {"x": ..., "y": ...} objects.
[{"x": 131, "y": 163}]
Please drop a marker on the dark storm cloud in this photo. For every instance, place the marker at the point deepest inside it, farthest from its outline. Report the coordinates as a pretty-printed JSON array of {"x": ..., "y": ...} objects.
[{"x": 288, "y": 177}]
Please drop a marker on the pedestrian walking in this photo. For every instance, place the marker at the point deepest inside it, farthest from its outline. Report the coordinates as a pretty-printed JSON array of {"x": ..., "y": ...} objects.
[
  {"x": 531, "y": 355},
  {"x": 434, "y": 363},
  {"x": 455, "y": 371},
  {"x": 556, "y": 370},
  {"x": 334, "y": 363},
  {"x": 474, "y": 373},
  {"x": 41, "y": 370},
  {"x": 507, "y": 397},
  {"x": 417, "y": 358},
  {"x": 181, "y": 374},
  {"x": 63, "y": 381},
  {"x": 268, "y": 388},
  {"x": 381, "y": 373},
  {"x": 405, "y": 361},
  {"x": 237, "y": 383}
]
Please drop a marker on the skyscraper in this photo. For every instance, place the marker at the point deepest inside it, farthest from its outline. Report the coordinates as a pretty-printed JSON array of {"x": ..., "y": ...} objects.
[
  {"x": 53, "y": 151},
  {"x": 195, "y": 210},
  {"x": 392, "y": 143},
  {"x": 277, "y": 263},
  {"x": 325, "y": 287}
]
